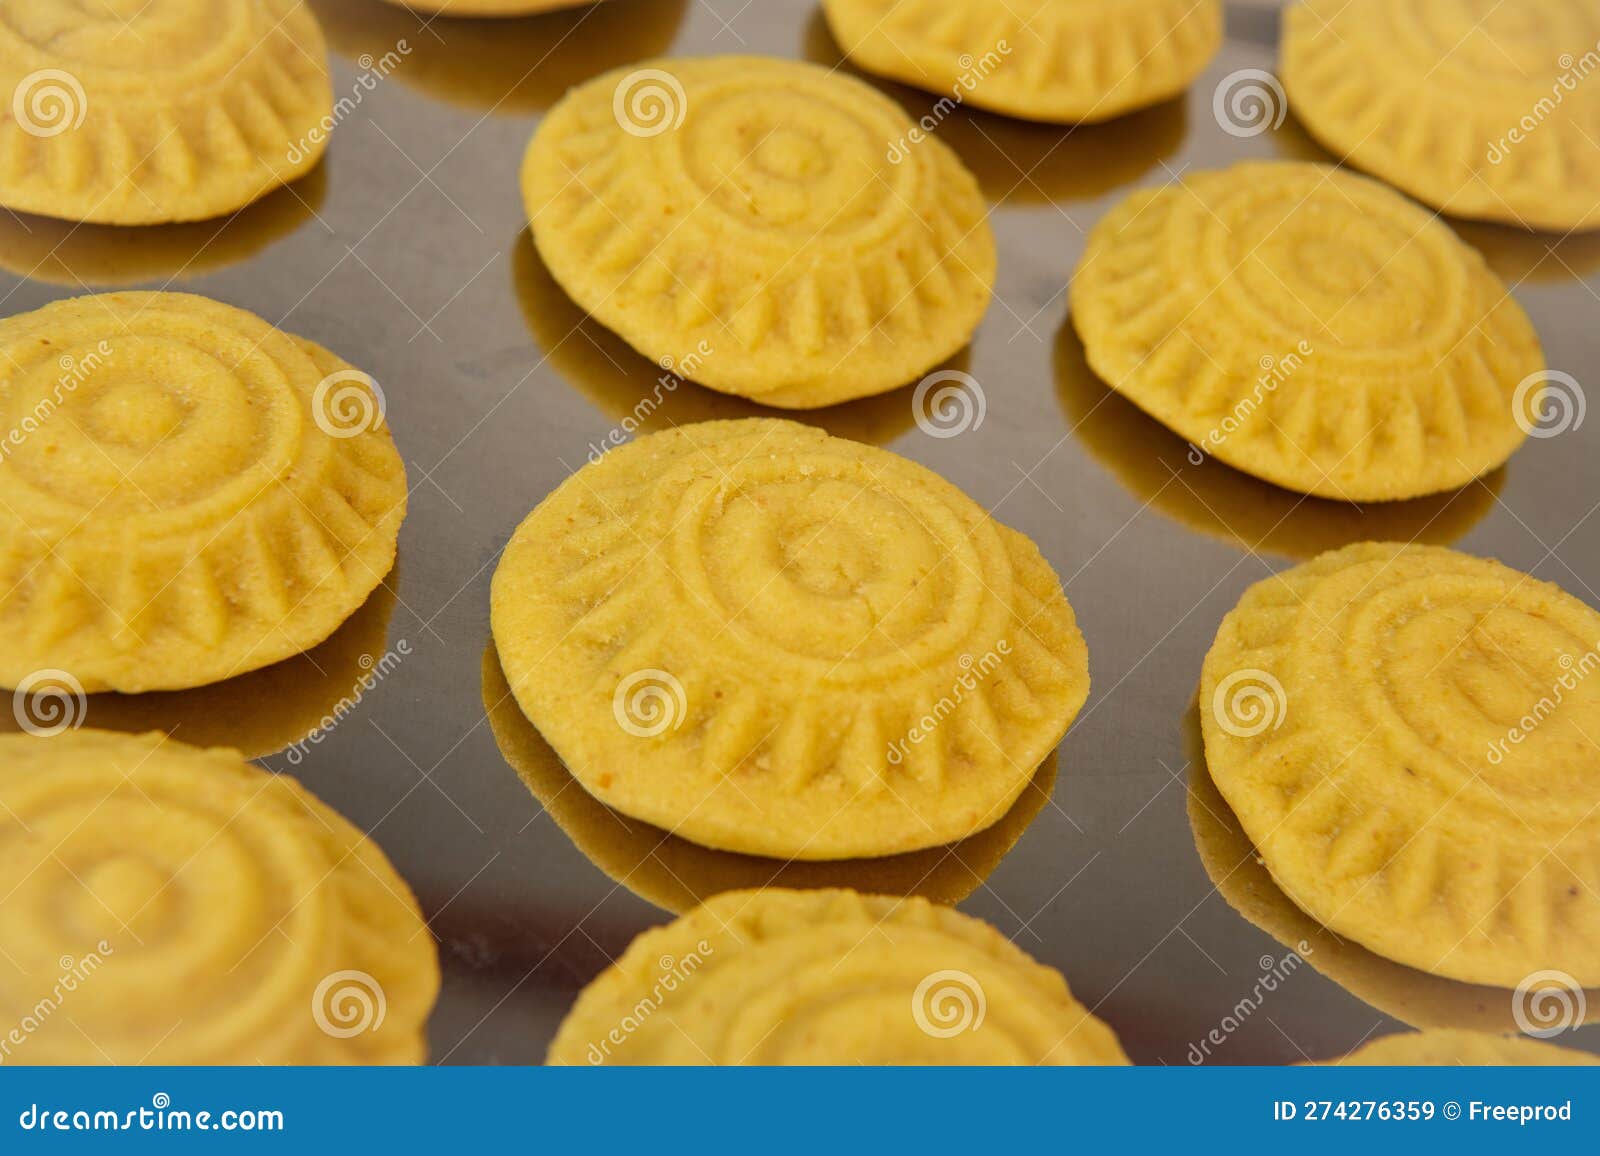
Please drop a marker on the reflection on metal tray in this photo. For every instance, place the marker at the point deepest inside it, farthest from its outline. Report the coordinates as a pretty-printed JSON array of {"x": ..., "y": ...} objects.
[{"x": 407, "y": 252}]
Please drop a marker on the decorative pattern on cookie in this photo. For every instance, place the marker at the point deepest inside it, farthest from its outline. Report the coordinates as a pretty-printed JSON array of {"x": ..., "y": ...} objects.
[
  {"x": 186, "y": 493},
  {"x": 1065, "y": 61},
  {"x": 489, "y": 7},
  {"x": 1406, "y": 735},
  {"x": 769, "y": 640},
  {"x": 166, "y": 110},
  {"x": 1448, "y": 1048},
  {"x": 197, "y": 910},
  {"x": 829, "y": 977},
  {"x": 1476, "y": 107},
  {"x": 771, "y": 217},
  {"x": 1309, "y": 327}
]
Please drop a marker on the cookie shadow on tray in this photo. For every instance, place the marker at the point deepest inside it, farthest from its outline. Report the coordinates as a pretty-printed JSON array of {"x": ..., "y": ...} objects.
[
  {"x": 1025, "y": 162},
  {"x": 76, "y": 255},
  {"x": 1516, "y": 255},
  {"x": 1238, "y": 874},
  {"x": 643, "y": 397},
  {"x": 677, "y": 875},
  {"x": 509, "y": 66},
  {"x": 1165, "y": 472},
  {"x": 260, "y": 713}
]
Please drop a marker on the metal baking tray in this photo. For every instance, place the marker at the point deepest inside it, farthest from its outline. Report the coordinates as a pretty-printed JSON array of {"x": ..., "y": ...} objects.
[{"x": 407, "y": 252}]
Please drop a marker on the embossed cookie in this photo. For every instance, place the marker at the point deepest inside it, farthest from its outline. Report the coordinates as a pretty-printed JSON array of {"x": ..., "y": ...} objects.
[
  {"x": 1068, "y": 61},
  {"x": 829, "y": 977},
  {"x": 173, "y": 905},
  {"x": 489, "y": 7},
  {"x": 186, "y": 493},
  {"x": 771, "y": 212},
  {"x": 1445, "y": 1048},
  {"x": 768, "y": 640},
  {"x": 1406, "y": 735},
  {"x": 172, "y": 110},
  {"x": 1476, "y": 107},
  {"x": 1309, "y": 327}
]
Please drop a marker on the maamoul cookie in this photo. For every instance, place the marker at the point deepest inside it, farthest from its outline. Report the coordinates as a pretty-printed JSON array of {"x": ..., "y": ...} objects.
[
  {"x": 1067, "y": 61},
  {"x": 1476, "y": 107},
  {"x": 751, "y": 206},
  {"x": 1309, "y": 327},
  {"x": 1406, "y": 735},
  {"x": 829, "y": 977},
  {"x": 769, "y": 640},
  {"x": 171, "y": 110},
  {"x": 489, "y": 7},
  {"x": 1446, "y": 1048},
  {"x": 186, "y": 493},
  {"x": 180, "y": 906}
]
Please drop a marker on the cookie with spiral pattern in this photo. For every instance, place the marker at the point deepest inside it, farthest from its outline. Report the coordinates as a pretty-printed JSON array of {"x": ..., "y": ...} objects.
[
  {"x": 186, "y": 493},
  {"x": 1064, "y": 61},
  {"x": 1479, "y": 108},
  {"x": 184, "y": 907},
  {"x": 771, "y": 214},
  {"x": 137, "y": 112},
  {"x": 1451, "y": 1048},
  {"x": 1406, "y": 735},
  {"x": 1311, "y": 328},
  {"x": 829, "y": 977},
  {"x": 765, "y": 639}
]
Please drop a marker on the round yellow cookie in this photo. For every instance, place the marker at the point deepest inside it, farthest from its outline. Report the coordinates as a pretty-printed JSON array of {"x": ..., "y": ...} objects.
[
  {"x": 164, "y": 904},
  {"x": 186, "y": 493},
  {"x": 1480, "y": 108},
  {"x": 763, "y": 226},
  {"x": 146, "y": 111},
  {"x": 1309, "y": 327},
  {"x": 1447, "y": 1048},
  {"x": 1065, "y": 61},
  {"x": 768, "y": 640},
  {"x": 1406, "y": 734},
  {"x": 829, "y": 977}
]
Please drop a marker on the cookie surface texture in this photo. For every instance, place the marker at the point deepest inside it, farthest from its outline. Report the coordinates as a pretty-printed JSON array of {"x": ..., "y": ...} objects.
[
  {"x": 829, "y": 977},
  {"x": 766, "y": 227},
  {"x": 769, "y": 640},
  {"x": 184, "y": 907},
  {"x": 1065, "y": 61},
  {"x": 1446, "y": 1048},
  {"x": 1311, "y": 328},
  {"x": 1404, "y": 734},
  {"x": 1477, "y": 108},
  {"x": 186, "y": 493},
  {"x": 173, "y": 110}
]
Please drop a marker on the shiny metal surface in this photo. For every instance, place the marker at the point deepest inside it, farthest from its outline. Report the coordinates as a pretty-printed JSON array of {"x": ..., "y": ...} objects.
[{"x": 407, "y": 252}]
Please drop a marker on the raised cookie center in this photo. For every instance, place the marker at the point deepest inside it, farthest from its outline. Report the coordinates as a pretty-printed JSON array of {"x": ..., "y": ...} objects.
[
  {"x": 138, "y": 415},
  {"x": 126, "y": 890},
  {"x": 829, "y": 559}
]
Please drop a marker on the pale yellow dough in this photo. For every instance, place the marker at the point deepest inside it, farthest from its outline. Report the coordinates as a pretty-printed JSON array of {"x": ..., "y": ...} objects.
[
  {"x": 186, "y": 493},
  {"x": 1067, "y": 61},
  {"x": 180, "y": 906},
  {"x": 768, "y": 640},
  {"x": 1406, "y": 734},
  {"x": 156, "y": 111},
  {"x": 1446, "y": 1048},
  {"x": 764, "y": 227},
  {"x": 829, "y": 977}
]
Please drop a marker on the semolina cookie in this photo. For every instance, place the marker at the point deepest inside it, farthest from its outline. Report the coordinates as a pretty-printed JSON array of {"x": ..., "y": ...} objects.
[
  {"x": 1311, "y": 328},
  {"x": 1405, "y": 733},
  {"x": 770, "y": 212},
  {"x": 829, "y": 977},
  {"x": 1477, "y": 107},
  {"x": 138, "y": 112},
  {"x": 181, "y": 906},
  {"x": 1448, "y": 1048},
  {"x": 186, "y": 493},
  {"x": 768, "y": 640},
  {"x": 1063, "y": 61}
]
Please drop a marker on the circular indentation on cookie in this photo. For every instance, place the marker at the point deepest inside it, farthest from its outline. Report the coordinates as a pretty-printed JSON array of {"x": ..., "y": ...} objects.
[
  {"x": 821, "y": 558},
  {"x": 108, "y": 34}
]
